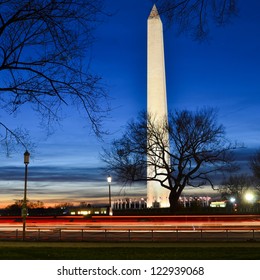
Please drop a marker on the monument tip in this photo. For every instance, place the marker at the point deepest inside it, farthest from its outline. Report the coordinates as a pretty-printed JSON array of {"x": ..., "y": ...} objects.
[{"x": 154, "y": 12}]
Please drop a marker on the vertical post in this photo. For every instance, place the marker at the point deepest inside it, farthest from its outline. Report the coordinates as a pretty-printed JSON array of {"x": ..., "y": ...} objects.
[
  {"x": 129, "y": 235},
  {"x": 24, "y": 207},
  {"x": 109, "y": 186},
  {"x": 109, "y": 180}
]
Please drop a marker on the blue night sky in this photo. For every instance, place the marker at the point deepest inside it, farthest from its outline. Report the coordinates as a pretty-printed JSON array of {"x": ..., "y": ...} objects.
[{"x": 223, "y": 72}]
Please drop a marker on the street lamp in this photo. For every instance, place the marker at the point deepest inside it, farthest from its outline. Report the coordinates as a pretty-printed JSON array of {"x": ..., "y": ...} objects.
[
  {"x": 24, "y": 207},
  {"x": 109, "y": 180}
]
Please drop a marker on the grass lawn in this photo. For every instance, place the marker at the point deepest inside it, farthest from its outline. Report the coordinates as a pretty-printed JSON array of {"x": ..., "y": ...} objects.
[{"x": 128, "y": 251}]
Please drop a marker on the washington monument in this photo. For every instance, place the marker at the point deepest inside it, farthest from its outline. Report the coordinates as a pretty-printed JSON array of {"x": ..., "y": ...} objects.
[{"x": 157, "y": 196}]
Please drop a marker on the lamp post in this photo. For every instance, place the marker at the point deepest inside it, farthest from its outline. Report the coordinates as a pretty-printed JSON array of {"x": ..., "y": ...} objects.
[
  {"x": 24, "y": 207},
  {"x": 233, "y": 203},
  {"x": 109, "y": 180}
]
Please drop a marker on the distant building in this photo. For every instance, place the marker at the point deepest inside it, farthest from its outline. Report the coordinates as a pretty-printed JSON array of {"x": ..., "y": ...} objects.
[{"x": 89, "y": 210}]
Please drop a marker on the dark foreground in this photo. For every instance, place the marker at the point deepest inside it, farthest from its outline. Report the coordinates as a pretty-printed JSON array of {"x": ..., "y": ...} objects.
[{"x": 126, "y": 251}]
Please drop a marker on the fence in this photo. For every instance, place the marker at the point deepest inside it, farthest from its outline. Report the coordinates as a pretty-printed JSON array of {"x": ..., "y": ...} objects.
[{"x": 134, "y": 234}]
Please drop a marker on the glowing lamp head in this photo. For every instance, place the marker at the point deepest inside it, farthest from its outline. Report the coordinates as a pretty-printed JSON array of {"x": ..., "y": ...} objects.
[
  {"x": 109, "y": 179},
  {"x": 249, "y": 197}
]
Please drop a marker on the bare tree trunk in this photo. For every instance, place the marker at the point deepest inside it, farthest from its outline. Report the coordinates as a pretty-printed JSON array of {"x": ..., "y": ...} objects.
[{"x": 173, "y": 199}]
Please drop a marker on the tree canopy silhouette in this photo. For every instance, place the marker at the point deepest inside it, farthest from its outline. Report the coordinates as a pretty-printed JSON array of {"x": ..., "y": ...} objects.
[
  {"x": 43, "y": 46},
  {"x": 195, "y": 16},
  {"x": 254, "y": 164},
  {"x": 188, "y": 149}
]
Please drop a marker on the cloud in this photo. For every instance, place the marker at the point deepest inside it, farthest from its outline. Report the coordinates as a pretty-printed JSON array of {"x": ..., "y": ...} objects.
[
  {"x": 57, "y": 184},
  {"x": 53, "y": 174}
]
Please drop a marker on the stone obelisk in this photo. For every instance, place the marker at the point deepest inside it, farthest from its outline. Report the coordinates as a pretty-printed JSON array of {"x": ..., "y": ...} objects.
[{"x": 157, "y": 196}]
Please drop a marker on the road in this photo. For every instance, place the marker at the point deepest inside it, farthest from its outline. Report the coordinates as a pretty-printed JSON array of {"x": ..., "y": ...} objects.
[
  {"x": 180, "y": 220},
  {"x": 143, "y": 228}
]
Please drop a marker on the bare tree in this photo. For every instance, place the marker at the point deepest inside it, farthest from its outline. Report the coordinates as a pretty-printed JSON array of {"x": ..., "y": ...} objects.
[
  {"x": 194, "y": 16},
  {"x": 43, "y": 46},
  {"x": 255, "y": 164},
  {"x": 188, "y": 150},
  {"x": 236, "y": 186},
  {"x": 13, "y": 140}
]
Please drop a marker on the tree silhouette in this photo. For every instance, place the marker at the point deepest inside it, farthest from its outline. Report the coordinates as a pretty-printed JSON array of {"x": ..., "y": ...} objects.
[
  {"x": 188, "y": 150},
  {"x": 43, "y": 45},
  {"x": 255, "y": 164},
  {"x": 195, "y": 16},
  {"x": 236, "y": 186}
]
